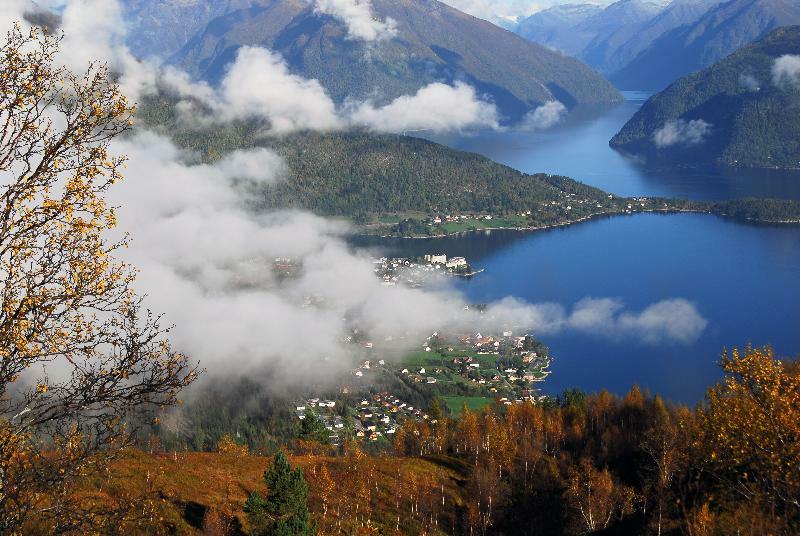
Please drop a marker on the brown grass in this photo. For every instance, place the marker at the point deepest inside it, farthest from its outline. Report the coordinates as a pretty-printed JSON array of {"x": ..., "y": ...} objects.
[{"x": 203, "y": 493}]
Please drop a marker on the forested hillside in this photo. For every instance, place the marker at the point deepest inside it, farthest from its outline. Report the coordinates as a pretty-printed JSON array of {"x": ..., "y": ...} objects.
[
  {"x": 361, "y": 176},
  {"x": 351, "y": 173},
  {"x": 735, "y": 113}
]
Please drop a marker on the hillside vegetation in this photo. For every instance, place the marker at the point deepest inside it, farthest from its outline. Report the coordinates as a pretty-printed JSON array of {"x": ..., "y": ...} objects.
[
  {"x": 753, "y": 121},
  {"x": 583, "y": 464},
  {"x": 352, "y": 173},
  {"x": 363, "y": 177}
]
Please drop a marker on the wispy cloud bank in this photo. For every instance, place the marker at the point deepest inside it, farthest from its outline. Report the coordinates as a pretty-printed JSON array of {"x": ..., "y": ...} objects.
[
  {"x": 681, "y": 132},
  {"x": 543, "y": 117},
  {"x": 786, "y": 71},
  {"x": 357, "y": 16},
  {"x": 259, "y": 84},
  {"x": 749, "y": 82},
  {"x": 436, "y": 107},
  {"x": 672, "y": 320},
  {"x": 206, "y": 257}
]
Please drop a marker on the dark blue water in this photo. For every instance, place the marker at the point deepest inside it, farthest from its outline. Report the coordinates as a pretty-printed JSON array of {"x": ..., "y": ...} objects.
[
  {"x": 578, "y": 148},
  {"x": 743, "y": 279}
]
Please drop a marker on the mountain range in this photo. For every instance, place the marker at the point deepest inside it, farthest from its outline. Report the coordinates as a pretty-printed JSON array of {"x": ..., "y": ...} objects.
[
  {"x": 162, "y": 27},
  {"x": 430, "y": 42},
  {"x": 718, "y": 33},
  {"x": 742, "y": 111},
  {"x": 645, "y": 46}
]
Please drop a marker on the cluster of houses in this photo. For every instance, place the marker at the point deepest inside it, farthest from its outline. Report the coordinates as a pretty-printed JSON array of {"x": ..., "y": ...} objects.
[
  {"x": 379, "y": 416},
  {"x": 367, "y": 364},
  {"x": 374, "y": 417},
  {"x": 324, "y": 410},
  {"x": 501, "y": 363},
  {"x": 453, "y": 218},
  {"x": 285, "y": 267},
  {"x": 442, "y": 260},
  {"x": 394, "y": 271}
]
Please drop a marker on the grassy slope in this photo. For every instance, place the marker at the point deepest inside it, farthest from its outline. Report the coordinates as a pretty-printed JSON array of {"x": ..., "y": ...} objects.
[
  {"x": 474, "y": 403},
  {"x": 185, "y": 487}
]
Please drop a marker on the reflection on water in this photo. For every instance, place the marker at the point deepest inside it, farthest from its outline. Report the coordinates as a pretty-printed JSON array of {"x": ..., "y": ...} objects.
[{"x": 579, "y": 148}]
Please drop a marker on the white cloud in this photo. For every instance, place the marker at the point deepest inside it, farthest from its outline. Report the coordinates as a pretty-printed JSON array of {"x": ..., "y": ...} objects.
[
  {"x": 436, "y": 107},
  {"x": 259, "y": 84},
  {"x": 673, "y": 320},
  {"x": 786, "y": 71},
  {"x": 357, "y": 16},
  {"x": 545, "y": 116},
  {"x": 749, "y": 82},
  {"x": 681, "y": 132},
  {"x": 676, "y": 320}
]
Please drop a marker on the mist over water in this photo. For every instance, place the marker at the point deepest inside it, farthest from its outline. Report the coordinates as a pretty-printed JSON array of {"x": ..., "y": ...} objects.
[{"x": 743, "y": 279}]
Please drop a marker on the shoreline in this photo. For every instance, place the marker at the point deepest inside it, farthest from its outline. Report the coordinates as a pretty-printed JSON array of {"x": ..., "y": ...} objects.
[{"x": 589, "y": 218}]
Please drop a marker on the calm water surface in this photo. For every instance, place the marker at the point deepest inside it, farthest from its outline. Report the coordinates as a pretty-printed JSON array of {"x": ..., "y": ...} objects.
[
  {"x": 743, "y": 279},
  {"x": 579, "y": 149}
]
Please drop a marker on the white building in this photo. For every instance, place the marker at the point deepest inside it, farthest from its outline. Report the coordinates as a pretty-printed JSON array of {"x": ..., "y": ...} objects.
[
  {"x": 456, "y": 262},
  {"x": 436, "y": 259}
]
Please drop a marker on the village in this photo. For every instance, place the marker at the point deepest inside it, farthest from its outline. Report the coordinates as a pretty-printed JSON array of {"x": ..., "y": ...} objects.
[
  {"x": 569, "y": 208},
  {"x": 496, "y": 366},
  {"x": 415, "y": 272},
  {"x": 475, "y": 370},
  {"x": 373, "y": 418}
]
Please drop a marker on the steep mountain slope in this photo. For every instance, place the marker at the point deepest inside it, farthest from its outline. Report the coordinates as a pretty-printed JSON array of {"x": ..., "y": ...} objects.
[
  {"x": 741, "y": 111},
  {"x": 716, "y": 34},
  {"x": 162, "y": 27},
  {"x": 557, "y": 27},
  {"x": 615, "y": 26},
  {"x": 678, "y": 13},
  {"x": 433, "y": 42},
  {"x": 609, "y": 38}
]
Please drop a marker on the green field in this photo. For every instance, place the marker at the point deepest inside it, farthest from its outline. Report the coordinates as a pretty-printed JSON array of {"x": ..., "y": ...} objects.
[
  {"x": 474, "y": 403},
  {"x": 424, "y": 359},
  {"x": 494, "y": 223}
]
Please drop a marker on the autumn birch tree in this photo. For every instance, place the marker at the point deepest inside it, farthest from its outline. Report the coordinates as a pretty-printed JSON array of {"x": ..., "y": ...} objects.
[{"x": 79, "y": 357}]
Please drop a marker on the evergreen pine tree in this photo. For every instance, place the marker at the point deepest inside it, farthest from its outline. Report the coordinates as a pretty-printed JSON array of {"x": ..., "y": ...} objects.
[
  {"x": 313, "y": 429},
  {"x": 284, "y": 512}
]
